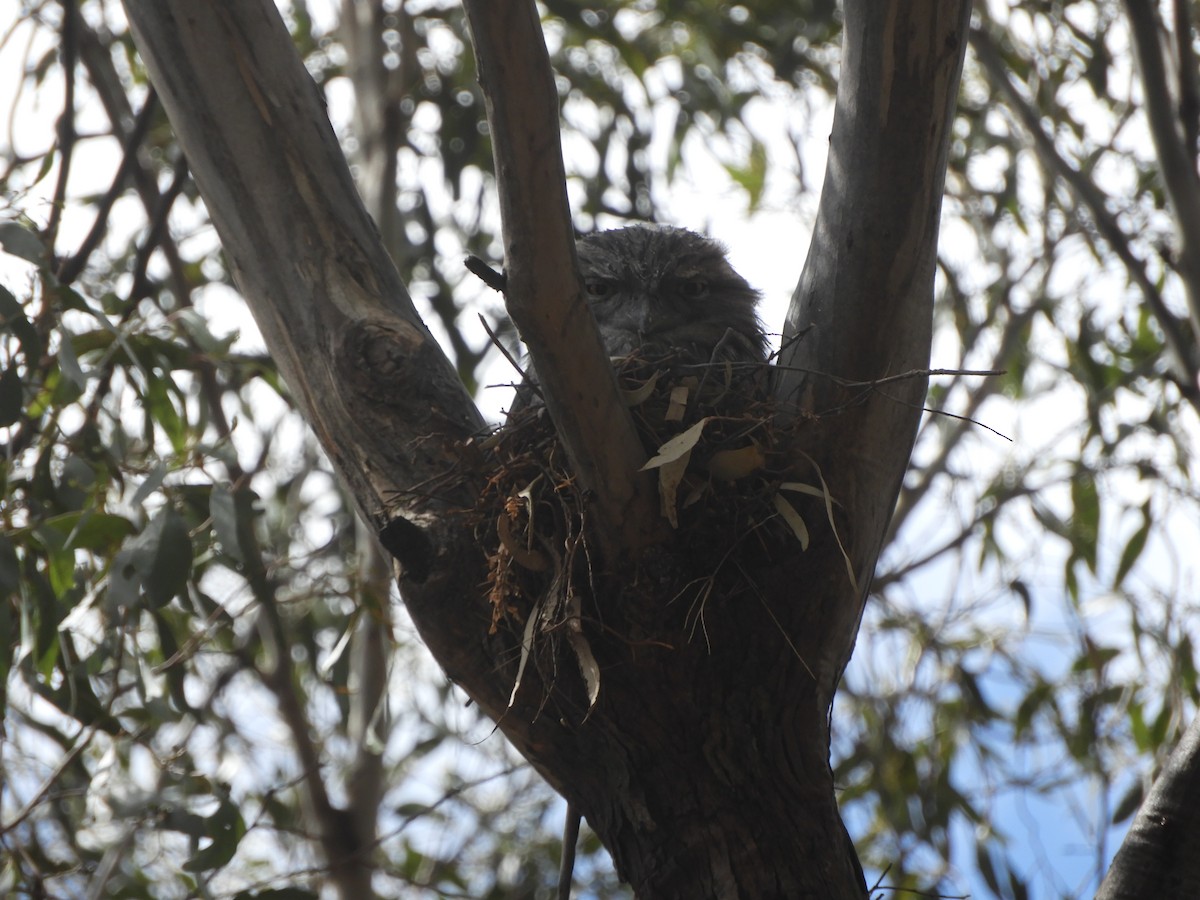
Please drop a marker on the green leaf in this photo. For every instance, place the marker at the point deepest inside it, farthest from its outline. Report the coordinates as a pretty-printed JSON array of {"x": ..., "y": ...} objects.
[
  {"x": 983, "y": 859},
  {"x": 47, "y": 165},
  {"x": 1138, "y": 728},
  {"x": 12, "y": 395},
  {"x": 21, "y": 242},
  {"x": 225, "y": 827},
  {"x": 1094, "y": 659},
  {"x": 13, "y": 319},
  {"x": 91, "y": 530},
  {"x": 1129, "y": 802},
  {"x": 1039, "y": 695},
  {"x": 233, "y": 521},
  {"x": 752, "y": 176},
  {"x": 69, "y": 363},
  {"x": 1133, "y": 548},
  {"x": 172, "y": 562},
  {"x": 163, "y": 411},
  {"x": 1085, "y": 531},
  {"x": 158, "y": 561}
]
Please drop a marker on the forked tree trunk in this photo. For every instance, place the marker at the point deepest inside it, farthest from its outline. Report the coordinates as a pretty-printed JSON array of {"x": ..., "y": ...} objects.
[{"x": 704, "y": 766}]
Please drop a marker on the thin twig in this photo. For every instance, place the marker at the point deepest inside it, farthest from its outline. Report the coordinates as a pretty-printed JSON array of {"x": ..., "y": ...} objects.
[
  {"x": 1176, "y": 165},
  {"x": 74, "y": 265},
  {"x": 566, "y": 869},
  {"x": 66, "y": 123},
  {"x": 888, "y": 379},
  {"x": 1185, "y": 369},
  {"x": 504, "y": 350}
]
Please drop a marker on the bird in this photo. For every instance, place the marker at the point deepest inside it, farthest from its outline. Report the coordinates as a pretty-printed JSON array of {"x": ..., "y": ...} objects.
[{"x": 660, "y": 291}]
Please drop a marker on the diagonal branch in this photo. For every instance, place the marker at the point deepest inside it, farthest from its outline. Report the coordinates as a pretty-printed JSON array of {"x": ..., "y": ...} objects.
[
  {"x": 545, "y": 296},
  {"x": 1180, "y": 345},
  {"x": 1160, "y": 857},
  {"x": 385, "y": 403}
]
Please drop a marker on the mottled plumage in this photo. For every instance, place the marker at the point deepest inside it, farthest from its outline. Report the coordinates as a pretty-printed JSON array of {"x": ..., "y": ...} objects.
[{"x": 669, "y": 291}]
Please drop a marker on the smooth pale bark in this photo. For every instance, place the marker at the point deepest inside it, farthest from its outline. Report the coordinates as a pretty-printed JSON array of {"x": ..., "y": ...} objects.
[
  {"x": 544, "y": 293},
  {"x": 862, "y": 310},
  {"x": 1160, "y": 857},
  {"x": 705, "y": 766}
]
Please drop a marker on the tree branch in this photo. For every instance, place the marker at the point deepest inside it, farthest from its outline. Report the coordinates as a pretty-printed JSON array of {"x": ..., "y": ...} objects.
[
  {"x": 545, "y": 295},
  {"x": 369, "y": 723},
  {"x": 131, "y": 142},
  {"x": 385, "y": 403},
  {"x": 1189, "y": 79},
  {"x": 1160, "y": 857},
  {"x": 1176, "y": 164},
  {"x": 69, "y": 51},
  {"x": 1180, "y": 346},
  {"x": 863, "y": 307}
]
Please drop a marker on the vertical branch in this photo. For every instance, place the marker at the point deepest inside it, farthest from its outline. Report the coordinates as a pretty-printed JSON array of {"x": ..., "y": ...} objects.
[
  {"x": 544, "y": 295},
  {"x": 346, "y": 850},
  {"x": 377, "y": 119},
  {"x": 863, "y": 307},
  {"x": 1177, "y": 165},
  {"x": 1189, "y": 79},
  {"x": 66, "y": 122},
  {"x": 368, "y": 723}
]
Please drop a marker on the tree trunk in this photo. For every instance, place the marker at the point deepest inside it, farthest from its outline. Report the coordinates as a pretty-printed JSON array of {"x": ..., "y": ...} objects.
[
  {"x": 704, "y": 764},
  {"x": 1160, "y": 857}
]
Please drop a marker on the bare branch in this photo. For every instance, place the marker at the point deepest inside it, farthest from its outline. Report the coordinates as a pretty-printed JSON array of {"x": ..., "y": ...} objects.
[
  {"x": 545, "y": 296},
  {"x": 69, "y": 50},
  {"x": 1189, "y": 79},
  {"x": 1177, "y": 165},
  {"x": 369, "y": 723},
  {"x": 863, "y": 307}
]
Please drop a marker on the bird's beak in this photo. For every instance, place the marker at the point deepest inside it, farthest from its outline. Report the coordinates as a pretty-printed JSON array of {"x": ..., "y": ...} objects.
[{"x": 651, "y": 319}]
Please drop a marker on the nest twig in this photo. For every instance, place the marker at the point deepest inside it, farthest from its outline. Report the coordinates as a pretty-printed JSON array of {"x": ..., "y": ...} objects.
[{"x": 723, "y": 467}]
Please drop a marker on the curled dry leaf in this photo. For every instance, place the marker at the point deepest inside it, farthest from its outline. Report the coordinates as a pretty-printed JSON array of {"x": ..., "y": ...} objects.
[
  {"x": 829, "y": 502},
  {"x": 639, "y": 395},
  {"x": 588, "y": 667},
  {"x": 669, "y": 476},
  {"x": 672, "y": 461},
  {"x": 678, "y": 403},
  {"x": 526, "y": 649},
  {"x": 799, "y": 487},
  {"x": 794, "y": 520},
  {"x": 523, "y": 556},
  {"x": 677, "y": 446}
]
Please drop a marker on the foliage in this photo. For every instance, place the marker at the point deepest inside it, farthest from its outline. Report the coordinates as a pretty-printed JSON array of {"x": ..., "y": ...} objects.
[{"x": 183, "y": 618}]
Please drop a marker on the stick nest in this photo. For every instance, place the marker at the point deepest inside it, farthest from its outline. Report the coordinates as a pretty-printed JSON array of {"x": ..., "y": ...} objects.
[{"x": 724, "y": 485}]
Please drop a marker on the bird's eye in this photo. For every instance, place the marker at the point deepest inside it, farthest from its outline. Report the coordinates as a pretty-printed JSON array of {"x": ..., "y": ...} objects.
[
  {"x": 598, "y": 290},
  {"x": 693, "y": 290}
]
